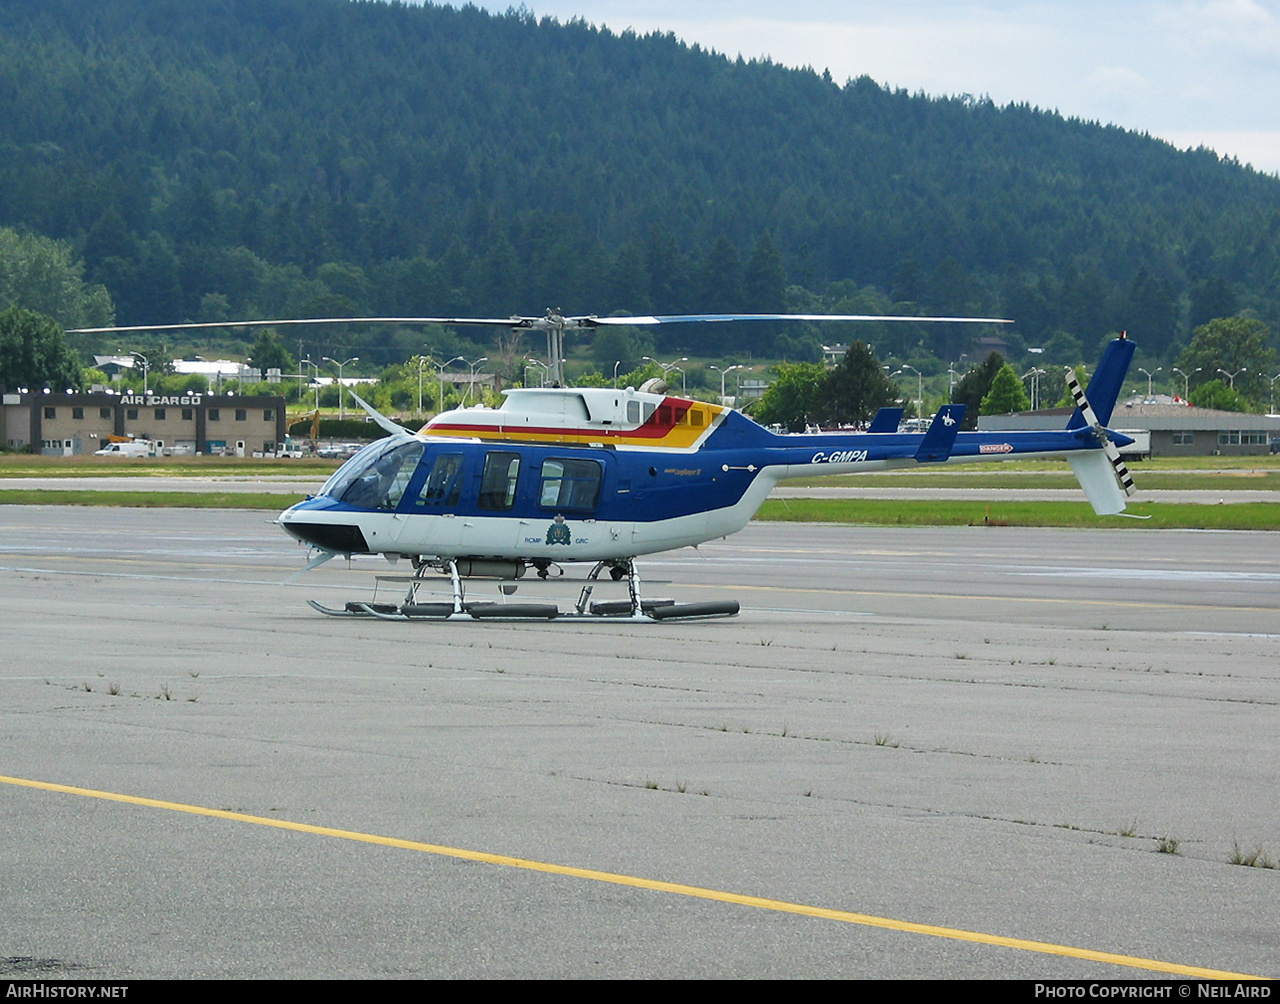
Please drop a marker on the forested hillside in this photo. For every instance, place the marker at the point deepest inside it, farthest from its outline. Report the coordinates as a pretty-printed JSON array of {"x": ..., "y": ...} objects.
[{"x": 212, "y": 159}]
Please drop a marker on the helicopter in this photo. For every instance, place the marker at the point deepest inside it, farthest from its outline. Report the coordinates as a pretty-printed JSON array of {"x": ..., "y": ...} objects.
[{"x": 562, "y": 476}]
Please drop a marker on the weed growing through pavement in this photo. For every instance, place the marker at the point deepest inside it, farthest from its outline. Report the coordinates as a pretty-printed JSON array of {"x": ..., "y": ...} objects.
[{"x": 1257, "y": 858}]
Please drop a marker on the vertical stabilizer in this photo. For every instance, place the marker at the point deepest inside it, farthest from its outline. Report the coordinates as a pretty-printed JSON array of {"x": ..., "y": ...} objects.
[
  {"x": 939, "y": 441},
  {"x": 1104, "y": 389},
  {"x": 886, "y": 420}
]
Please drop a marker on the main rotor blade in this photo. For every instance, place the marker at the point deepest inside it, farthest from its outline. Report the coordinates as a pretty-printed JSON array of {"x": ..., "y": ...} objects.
[
  {"x": 501, "y": 322},
  {"x": 517, "y": 321},
  {"x": 590, "y": 322}
]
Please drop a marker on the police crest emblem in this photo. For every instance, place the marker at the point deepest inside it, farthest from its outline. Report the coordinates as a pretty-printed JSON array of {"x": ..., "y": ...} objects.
[{"x": 559, "y": 532}]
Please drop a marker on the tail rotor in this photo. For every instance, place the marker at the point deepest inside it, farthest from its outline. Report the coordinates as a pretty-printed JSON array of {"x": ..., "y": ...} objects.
[{"x": 1100, "y": 431}]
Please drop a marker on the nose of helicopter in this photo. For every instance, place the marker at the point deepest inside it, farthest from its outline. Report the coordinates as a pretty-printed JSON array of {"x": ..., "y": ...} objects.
[{"x": 320, "y": 529}]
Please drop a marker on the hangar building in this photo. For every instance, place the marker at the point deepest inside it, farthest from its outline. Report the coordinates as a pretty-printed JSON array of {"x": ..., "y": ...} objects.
[{"x": 70, "y": 424}]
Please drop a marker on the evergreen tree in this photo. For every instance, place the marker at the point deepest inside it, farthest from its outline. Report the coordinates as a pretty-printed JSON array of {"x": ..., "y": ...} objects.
[
  {"x": 974, "y": 386},
  {"x": 1006, "y": 395},
  {"x": 267, "y": 353},
  {"x": 856, "y": 389}
]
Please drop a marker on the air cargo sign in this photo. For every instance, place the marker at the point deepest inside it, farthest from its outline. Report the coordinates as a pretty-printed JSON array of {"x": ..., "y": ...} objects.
[{"x": 153, "y": 400}]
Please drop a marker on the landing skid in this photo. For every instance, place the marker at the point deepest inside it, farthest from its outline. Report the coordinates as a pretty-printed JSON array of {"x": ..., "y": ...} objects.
[{"x": 634, "y": 608}]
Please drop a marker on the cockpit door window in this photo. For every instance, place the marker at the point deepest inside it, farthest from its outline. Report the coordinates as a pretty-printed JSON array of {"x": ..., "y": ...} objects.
[{"x": 498, "y": 482}]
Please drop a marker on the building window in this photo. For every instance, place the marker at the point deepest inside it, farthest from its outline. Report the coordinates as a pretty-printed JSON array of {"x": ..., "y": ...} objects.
[
  {"x": 159, "y": 414},
  {"x": 131, "y": 414},
  {"x": 241, "y": 414},
  {"x": 1253, "y": 437},
  {"x": 77, "y": 413},
  {"x": 215, "y": 415},
  {"x": 268, "y": 414},
  {"x": 1184, "y": 437},
  {"x": 51, "y": 413},
  {"x": 188, "y": 414},
  {"x": 104, "y": 412}
]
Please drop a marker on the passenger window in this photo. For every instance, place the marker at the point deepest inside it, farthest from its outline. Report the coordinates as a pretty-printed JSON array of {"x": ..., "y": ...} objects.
[
  {"x": 443, "y": 485},
  {"x": 498, "y": 482},
  {"x": 569, "y": 484},
  {"x": 633, "y": 412}
]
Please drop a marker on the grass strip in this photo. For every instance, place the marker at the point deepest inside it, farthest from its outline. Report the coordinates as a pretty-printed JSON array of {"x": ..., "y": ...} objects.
[
  {"x": 151, "y": 500},
  {"x": 910, "y": 512}
]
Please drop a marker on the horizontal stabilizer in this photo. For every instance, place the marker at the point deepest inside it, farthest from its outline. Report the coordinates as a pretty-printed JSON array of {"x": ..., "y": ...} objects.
[
  {"x": 941, "y": 437},
  {"x": 886, "y": 420}
]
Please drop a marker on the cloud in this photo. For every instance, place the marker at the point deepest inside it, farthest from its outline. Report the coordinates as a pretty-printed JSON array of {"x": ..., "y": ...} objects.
[{"x": 1110, "y": 82}]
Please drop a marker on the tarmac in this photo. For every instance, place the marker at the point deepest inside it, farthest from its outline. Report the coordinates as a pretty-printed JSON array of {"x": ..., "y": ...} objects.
[{"x": 918, "y": 752}]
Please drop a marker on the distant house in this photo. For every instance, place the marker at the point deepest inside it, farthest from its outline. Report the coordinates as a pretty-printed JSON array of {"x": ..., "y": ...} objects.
[
  {"x": 113, "y": 366},
  {"x": 833, "y": 355}
]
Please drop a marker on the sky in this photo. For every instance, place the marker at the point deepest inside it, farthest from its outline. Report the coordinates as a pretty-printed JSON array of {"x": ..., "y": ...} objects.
[{"x": 1192, "y": 72}]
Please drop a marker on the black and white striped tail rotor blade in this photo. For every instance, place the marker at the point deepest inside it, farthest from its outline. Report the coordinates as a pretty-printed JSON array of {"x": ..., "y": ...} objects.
[
  {"x": 1108, "y": 447},
  {"x": 1122, "y": 469}
]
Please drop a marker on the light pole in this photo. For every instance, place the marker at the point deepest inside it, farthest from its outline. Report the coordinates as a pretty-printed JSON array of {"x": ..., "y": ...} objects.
[
  {"x": 342, "y": 401},
  {"x": 1232, "y": 376},
  {"x": 615, "y": 373},
  {"x": 1186, "y": 379},
  {"x": 1271, "y": 408},
  {"x": 440, "y": 368},
  {"x": 421, "y": 360},
  {"x": 146, "y": 387},
  {"x": 1150, "y": 376},
  {"x": 304, "y": 375},
  {"x": 667, "y": 367},
  {"x": 542, "y": 380},
  {"x": 467, "y": 396},
  {"x": 919, "y": 388},
  {"x": 724, "y": 373},
  {"x": 1035, "y": 373}
]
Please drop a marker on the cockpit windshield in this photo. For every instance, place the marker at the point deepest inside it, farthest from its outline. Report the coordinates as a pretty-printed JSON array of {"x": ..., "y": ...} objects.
[{"x": 376, "y": 477}]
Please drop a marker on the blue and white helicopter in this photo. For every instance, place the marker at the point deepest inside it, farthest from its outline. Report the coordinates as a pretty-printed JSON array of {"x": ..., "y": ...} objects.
[{"x": 561, "y": 475}]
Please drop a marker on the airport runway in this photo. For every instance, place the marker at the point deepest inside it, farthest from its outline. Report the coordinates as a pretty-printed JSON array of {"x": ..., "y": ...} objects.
[{"x": 984, "y": 731}]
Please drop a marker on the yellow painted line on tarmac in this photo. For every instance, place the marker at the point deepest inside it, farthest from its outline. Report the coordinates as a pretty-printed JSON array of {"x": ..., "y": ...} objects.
[{"x": 698, "y": 892}]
